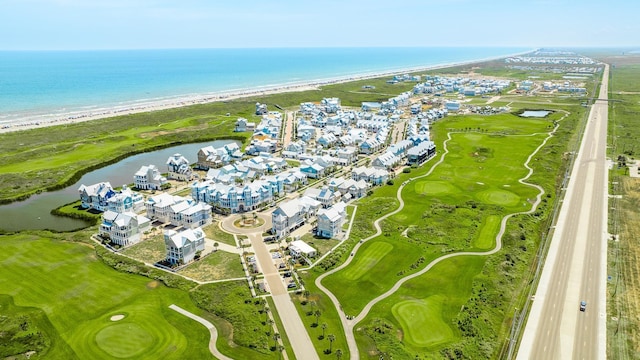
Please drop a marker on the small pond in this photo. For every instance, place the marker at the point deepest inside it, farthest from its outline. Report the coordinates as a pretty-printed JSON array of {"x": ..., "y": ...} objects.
[
  {"x": 535, "y": 113},
  {"x": 35, "y": 212}
]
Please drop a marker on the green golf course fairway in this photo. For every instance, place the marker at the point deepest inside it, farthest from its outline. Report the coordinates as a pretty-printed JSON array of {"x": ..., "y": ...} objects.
[
  {"x": 486, "y": 238},
  {"x": 369, "y": 258},
  {"x": 79, "y": 294},
  {"x": 421, "y": 321}
]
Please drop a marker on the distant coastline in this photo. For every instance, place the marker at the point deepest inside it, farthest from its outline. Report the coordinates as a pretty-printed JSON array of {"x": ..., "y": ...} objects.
[{"x": 149, "y": 105}]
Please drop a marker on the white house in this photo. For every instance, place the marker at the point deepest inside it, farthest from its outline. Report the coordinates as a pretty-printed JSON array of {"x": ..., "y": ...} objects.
[
  {"x": 374, "y": 176},
  {"x": 244, "y": 125},
  {"x": 148, "y": 178},
  {"x": 325, "y": 196},
  {"x": 292, "y": 214},
  {"x": 96, "y": 196},
  {"x": 123, "y": 229},
  {"x": 386, "y": 161},
  {"x": 178, "y": 168},
  {"x": 300, "y": 248},
  {"x": 126, "y": 200},
  {"x": 182, "y": 246},
  {"x": 330, "y": 220}
]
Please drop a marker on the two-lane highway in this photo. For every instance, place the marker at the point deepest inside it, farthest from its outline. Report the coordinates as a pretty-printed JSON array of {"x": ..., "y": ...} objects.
[{"x": 575, "y": 268}]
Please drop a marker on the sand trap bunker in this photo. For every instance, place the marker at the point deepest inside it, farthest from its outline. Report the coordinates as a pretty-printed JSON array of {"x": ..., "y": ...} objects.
[{"x": 117, "y": 317}]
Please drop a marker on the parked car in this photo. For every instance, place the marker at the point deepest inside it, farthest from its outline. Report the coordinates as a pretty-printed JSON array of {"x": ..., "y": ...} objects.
[{"x": 583, "y": 305}]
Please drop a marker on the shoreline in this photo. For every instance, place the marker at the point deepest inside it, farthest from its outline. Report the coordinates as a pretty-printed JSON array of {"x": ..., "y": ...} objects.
[{"x": 136, "y": 106}]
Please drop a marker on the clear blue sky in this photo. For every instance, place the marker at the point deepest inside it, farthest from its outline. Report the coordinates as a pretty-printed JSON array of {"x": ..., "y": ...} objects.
[{"x": 131, "y": 24}]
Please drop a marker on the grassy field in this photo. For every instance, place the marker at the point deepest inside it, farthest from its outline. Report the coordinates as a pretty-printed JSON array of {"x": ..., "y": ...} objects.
[
  {"x": 218, "y": 265},
  {"x": 150, "y": 250},
  {"x": 79, "y": 294},
  {"x": 623, "y": 290}
]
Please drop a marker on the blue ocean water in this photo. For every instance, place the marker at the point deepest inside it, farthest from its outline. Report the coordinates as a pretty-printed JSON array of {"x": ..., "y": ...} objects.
[{"x": 46, "y": 83}]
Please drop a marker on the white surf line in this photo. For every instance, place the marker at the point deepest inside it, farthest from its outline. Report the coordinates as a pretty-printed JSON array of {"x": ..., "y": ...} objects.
[
  {"x": 349, "y": 325},
  {"x": 212, "y": 330}
]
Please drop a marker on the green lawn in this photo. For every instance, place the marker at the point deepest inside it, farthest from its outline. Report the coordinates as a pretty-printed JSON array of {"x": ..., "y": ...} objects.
[
  {"x": 218, "y": 265},
  {"x": 150, "y": 250},
  {"x": 213, "y": 232}
]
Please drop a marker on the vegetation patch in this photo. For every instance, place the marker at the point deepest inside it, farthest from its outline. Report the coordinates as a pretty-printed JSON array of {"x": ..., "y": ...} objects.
[{"x": 24, "y": 332}]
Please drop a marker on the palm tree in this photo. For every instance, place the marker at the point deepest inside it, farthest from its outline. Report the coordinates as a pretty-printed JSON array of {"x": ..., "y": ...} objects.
[
  {"x": 266, "y": 311},
  {"x": 331, "y": 339},
  {"x": 306, "y": 294},
  {"x": 280, "y": 350},
  {"x": 339, "y": 354},
  {"x": 317, "y": 313},
  {"x": 276, "y": 336},
  {"x": 215, "y": 246},
  {"x": 324, "y": 326}
]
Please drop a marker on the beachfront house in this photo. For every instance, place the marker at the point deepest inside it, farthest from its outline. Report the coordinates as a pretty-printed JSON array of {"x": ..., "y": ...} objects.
[
  {"x": 244, "y": 125},
  {"x": 148, "y": 177},
  {"x": 331, "y": 220},
  {"x": 178, "y": 168},
  {"x": 123, "y": 229},
  {"x": 96, "y": 196},
  {"x": 182, "y": 247},
  {"x": 261, "y": 109}
]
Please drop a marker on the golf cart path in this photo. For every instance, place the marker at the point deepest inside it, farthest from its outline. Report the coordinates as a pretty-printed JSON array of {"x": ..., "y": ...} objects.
[
  {"x": 349, "y": 324},
  {"x": 212, "y": 330}
]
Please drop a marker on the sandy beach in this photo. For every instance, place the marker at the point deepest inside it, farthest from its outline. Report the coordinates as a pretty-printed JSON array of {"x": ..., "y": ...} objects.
[{"x": 39, "y": 121}]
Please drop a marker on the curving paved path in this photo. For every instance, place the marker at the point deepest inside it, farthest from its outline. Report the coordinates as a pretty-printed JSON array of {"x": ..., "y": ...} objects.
[
  {"x": 212, "y": 330},
  {"x": 349, "y": 324}
]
